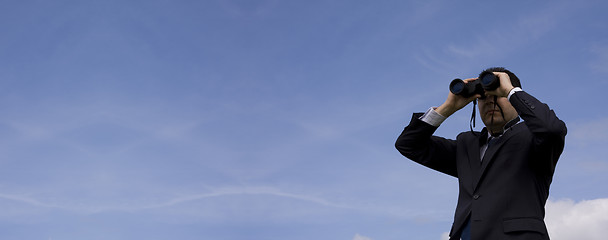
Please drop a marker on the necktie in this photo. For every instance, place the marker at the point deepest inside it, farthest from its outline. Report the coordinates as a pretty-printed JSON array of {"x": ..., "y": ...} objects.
[{"x": 491, "y": 141}]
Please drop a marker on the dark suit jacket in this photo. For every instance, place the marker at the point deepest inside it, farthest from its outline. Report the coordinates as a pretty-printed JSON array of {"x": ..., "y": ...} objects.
[{"x": 504, "y": 194}]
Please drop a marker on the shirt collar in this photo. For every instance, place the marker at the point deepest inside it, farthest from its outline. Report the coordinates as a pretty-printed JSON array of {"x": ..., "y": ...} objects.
[{"x": 507, "y": 127}]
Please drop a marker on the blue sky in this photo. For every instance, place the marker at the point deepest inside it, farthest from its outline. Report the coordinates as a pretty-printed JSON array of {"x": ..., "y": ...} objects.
[{"x": 270, "y": 119}]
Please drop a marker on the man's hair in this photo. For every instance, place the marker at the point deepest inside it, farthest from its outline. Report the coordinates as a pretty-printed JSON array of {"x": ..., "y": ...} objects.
[{"x": 514, "y": 79}]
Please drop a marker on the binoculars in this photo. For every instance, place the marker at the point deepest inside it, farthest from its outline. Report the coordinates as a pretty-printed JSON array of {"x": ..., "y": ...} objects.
[{"x": 487, "y": 81}]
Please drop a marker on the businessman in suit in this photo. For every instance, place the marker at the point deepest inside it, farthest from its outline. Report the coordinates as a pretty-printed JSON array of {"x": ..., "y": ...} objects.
[{"x": 504, "y": 171}]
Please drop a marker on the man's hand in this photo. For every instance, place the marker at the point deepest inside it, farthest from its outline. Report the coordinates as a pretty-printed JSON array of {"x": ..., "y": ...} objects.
[
  {"x": 505, "y": 85},
  {"x": 457, "y": 102}
]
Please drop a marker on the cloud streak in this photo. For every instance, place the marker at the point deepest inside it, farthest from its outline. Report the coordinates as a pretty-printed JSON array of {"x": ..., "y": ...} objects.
[
  {"x": 237, "y": 195},
  {"x": 236, "y": 191},
  {"x": 138, "y": 206}
]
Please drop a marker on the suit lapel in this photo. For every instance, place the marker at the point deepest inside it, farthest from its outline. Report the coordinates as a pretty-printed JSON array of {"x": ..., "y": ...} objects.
[
  {"x": 475, "y": 158},
  {"x": 488, "y": 158}
]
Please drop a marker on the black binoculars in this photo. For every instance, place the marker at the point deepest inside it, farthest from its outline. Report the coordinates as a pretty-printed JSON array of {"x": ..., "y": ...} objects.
[{"x": 487, "y": 81}]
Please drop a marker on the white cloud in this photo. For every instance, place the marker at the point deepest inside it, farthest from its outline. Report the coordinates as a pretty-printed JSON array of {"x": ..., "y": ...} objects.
[
  {"x": 359, "y": 237},
  {"x": 569, "y": 220}
]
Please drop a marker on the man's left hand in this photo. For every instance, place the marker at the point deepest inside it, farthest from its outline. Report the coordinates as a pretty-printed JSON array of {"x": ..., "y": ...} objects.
[{"x": 505, "y": 85}]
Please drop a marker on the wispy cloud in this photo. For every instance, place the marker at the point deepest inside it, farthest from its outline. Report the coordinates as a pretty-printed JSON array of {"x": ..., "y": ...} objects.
[
  {"x": 599, "y": 62},
  {"x": 592, "y": 131},
  {"x": 361, "y": 237},
  {"x": 511, "y": 34},
  {"x": 27, "y": 200},
  {"x": 235, "y": 191},
  {"x": 89, "y": 208},
  {"x": 219, "y": 201}
]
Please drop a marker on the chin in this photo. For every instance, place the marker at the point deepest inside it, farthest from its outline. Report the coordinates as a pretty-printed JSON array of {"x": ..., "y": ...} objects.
[{"x": 498, "y": 121}]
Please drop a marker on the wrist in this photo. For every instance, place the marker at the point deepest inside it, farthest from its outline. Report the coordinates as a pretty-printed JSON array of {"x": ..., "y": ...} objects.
[
  {"x": 506, "y": 90},
  {"x": 445, "y": 110},
  {"x": 513, "y": 91},
  {"x": 432, "y": 117}
]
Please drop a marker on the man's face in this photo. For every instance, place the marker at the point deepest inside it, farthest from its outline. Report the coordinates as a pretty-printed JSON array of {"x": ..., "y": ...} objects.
[{"x": 488, "y": 110}]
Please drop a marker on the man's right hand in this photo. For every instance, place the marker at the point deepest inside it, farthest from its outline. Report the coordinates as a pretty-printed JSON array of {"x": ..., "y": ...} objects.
[{"x": 455, "y": 102}]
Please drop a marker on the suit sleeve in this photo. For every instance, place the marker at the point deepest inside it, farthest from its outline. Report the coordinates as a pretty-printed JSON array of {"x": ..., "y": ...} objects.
[
  {"x": 548, "y": 130},
  {"x": 417, "y": 143}
]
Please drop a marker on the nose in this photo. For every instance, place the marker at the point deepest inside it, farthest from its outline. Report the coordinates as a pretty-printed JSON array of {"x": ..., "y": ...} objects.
[
  {"x": 491, "y": 98},
  {"x": 488, "y": 101}
]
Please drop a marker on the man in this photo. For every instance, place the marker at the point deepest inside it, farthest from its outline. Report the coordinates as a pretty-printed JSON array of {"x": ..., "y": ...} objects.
[{"x": 504, "y": 171}]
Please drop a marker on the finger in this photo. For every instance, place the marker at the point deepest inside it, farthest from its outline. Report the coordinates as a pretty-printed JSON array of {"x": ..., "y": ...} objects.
[
  {"x": 472, "y": 98},
  {"x": 502, "y": 75}
]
